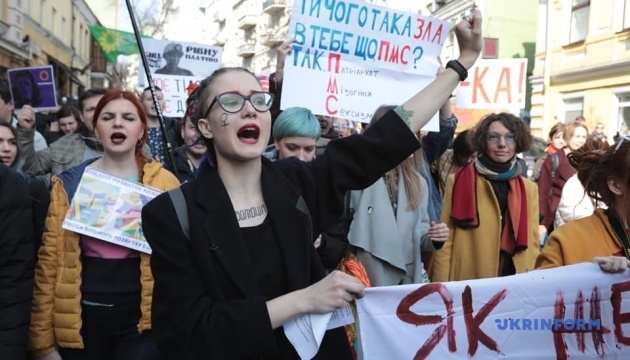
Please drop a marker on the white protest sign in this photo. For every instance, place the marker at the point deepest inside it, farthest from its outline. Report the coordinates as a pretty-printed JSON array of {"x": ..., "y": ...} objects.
[
  {"x": 174, "y": 66},
  {"x": 494, "y": 84},
  {"x": 576, "y": 311},
  {"x": 108, "y": 208},
  {"x": 350, "y": 57}
]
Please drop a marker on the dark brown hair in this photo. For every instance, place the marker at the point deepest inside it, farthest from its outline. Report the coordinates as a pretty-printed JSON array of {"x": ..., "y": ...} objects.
[
  {"x": 463, "y": 147},
  {"x": 595, "y": 167},
  {"x": 513, "y": 123},
  {"x": 558, "y": 128},
  {"x": 118, "y": 93},
  {"x": 7, "y": 125}
]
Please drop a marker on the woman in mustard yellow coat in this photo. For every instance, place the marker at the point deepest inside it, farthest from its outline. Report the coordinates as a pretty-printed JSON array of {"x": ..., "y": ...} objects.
[
  {"x": 92, "y": 299},
  {"x": 491, "y": 211},
  {"x": 605, "y": 176}
]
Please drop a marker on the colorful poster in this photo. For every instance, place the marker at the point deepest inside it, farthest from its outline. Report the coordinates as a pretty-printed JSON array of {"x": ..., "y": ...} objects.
[
  {"x": 175, "y": 66},
  {"x": 350, "y": 57},
  {"x": 34, "y": 86},
  {"x": 108, "y": 208},
  {"x": 494, "y": 84},
  {"x": 571, "y": 312}
]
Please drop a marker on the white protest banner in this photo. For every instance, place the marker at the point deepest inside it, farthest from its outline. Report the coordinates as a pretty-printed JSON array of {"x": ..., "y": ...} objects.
[
  {"x": 575, "y": 312},
  {"x": 174, "y": 66},
  {"x": 108, "y": 208},
  {"x": 494, "y": 84},
  {"x": 350, "y": 57}
]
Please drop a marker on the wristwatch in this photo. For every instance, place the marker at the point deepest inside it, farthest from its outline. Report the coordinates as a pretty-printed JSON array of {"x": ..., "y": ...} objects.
[{"x": 458, "y": 68}]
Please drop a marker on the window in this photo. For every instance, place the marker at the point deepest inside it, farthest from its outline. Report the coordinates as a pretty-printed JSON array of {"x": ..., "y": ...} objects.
[
  {"x": 29, "y": 7},
  {"x": 624, "y": 113},
  {"x": 626, "y": 15},
  {"x": 52, "y": 21},
  {"x": 63, "y": 28},
  {"x": 573, "y": 108},
  {"x": 579, "y": 20},
  {"x": 80, "y": 40}
]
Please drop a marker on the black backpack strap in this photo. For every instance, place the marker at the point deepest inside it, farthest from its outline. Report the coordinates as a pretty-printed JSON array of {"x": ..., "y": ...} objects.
[
  {"x": 179, "y": 203},
  {"x": 556, "y": 163},
  {"x": 620, "y": 231}
]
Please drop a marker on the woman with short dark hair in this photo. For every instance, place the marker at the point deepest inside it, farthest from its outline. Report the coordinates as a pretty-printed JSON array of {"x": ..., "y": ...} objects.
[{"x": 491, "y": 210}]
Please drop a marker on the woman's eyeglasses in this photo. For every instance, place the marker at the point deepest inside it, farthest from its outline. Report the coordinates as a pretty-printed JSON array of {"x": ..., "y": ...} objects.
[
  {"x": 510, "y": 139},
  {"x": 233, "y": 102}
]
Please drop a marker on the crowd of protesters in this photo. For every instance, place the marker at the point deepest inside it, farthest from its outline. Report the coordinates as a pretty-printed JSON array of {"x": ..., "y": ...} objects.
[{"x": 280, "y": 213}]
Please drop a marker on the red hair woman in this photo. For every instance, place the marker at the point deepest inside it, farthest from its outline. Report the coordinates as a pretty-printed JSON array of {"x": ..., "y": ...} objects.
[{"x": 92, "y": 299}]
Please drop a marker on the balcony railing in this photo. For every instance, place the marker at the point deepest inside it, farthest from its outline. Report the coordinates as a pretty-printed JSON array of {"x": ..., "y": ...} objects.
[
  {"x": 271, "y": 6},
  {"x": 246, "y": 50},
  {"x": 246, "y": 22}
]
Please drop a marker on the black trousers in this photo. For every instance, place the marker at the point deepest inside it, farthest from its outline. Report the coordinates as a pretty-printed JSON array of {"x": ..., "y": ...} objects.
[{"x": 111, "y": 333}]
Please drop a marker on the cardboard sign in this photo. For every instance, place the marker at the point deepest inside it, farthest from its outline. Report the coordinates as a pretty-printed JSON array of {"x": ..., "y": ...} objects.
[{"x": 108, "y": 208}]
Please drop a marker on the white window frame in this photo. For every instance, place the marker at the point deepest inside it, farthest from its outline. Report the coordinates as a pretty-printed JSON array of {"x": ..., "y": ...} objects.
[
  {"x": 572, "y": 103},
  {"x": 623, "y": 101}
]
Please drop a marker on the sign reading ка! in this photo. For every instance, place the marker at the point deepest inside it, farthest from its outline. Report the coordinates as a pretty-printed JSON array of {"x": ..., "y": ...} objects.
[{"x": 494, "y": 84}]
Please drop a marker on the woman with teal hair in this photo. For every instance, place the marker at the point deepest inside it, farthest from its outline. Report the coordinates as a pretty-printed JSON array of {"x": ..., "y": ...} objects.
[{"x": 295, "y": 133}]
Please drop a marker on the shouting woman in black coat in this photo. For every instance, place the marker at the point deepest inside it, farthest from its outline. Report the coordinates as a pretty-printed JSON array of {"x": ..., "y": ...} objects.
[{"x": 249, "y": 265}]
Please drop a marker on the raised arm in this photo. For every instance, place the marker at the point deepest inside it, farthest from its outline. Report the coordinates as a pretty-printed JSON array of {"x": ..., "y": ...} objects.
[{"x": 418, "y": 110}]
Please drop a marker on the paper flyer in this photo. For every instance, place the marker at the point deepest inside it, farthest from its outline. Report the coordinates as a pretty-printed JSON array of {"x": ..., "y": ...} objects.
[
  {"x": 108, "y": 208},
  {"x": 306, "y": 332}
]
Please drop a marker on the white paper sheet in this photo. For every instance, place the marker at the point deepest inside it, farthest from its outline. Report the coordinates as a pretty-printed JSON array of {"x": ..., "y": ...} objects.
[{"x": 306, "y": 332}]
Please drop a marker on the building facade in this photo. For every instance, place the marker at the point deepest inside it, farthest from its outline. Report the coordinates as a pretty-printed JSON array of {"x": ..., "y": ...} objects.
[
  {"x": 56, "y": 33},
  {"x": 14, "y": 51},
  {"x": 582, "y": 64}
]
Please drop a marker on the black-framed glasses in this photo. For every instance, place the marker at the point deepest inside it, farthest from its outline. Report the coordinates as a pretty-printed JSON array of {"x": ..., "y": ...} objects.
[
  {"x": 510, "y": 139},
  {"x": 233, "y": 102}
]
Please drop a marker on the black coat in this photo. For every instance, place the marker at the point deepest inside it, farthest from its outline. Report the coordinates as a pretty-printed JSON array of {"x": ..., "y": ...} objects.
[
  {"x": 206, "y": 302},
  {"x": 17, "y": 257}
]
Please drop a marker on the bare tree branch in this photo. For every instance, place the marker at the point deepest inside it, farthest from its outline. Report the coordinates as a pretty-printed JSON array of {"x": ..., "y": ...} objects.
[{"x": 151, "y": 22}]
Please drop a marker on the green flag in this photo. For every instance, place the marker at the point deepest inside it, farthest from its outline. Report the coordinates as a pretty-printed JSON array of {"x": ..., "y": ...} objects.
[{"x": 114, "y": 42}]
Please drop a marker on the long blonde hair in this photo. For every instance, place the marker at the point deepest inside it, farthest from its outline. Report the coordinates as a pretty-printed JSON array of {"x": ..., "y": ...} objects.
[{"x": 408, "y": 168}]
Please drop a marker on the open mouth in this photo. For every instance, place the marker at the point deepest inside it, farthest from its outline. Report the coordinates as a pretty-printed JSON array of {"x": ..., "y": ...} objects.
[
  {"x": 118, "y": 138},
  {"x": 249, "y": 134}
]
